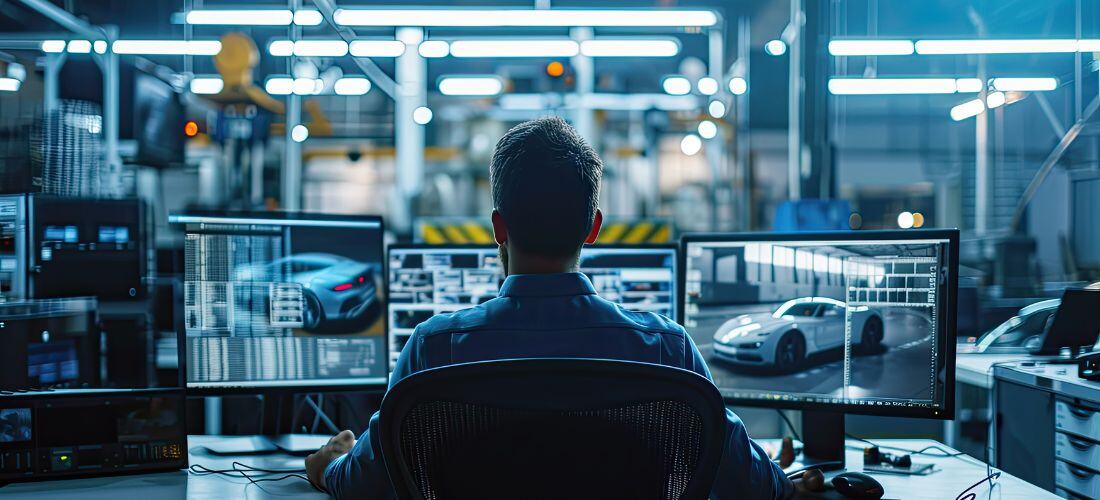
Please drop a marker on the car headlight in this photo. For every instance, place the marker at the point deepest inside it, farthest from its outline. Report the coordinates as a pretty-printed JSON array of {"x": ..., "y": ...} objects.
[{"x": 738, "y": 332}]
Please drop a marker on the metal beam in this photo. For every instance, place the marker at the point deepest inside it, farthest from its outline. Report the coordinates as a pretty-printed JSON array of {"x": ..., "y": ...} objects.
[
  {"x": 65, "y": 19},
  {"x": 1052, "y": 160},
  {"x": 371, "y": 70}
]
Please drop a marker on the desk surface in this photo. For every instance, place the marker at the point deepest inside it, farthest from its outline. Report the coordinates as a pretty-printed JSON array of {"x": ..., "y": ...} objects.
[
  {"x": 1057, "y": 378},
  {"x": 952, "y": 476},
  {"x": 977, "y": 369}
]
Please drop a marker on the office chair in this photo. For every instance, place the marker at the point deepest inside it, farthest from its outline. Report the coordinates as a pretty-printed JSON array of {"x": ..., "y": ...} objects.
[{"x": 552, "y": 429}]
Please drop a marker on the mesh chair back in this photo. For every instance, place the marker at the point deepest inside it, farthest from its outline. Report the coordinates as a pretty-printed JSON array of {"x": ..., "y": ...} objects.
[{"x": 552, "y": 428}]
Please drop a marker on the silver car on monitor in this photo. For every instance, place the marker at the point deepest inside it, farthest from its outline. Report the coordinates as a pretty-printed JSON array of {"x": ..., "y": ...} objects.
[{"x": 796, "y": 330}]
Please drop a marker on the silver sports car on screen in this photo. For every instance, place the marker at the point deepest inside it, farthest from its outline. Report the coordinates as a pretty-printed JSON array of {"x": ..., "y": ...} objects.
[{"x": 797, "y": 329}]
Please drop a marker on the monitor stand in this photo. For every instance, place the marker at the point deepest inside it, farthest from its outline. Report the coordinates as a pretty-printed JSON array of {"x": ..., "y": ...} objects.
[{"x": 823, "y": 440}]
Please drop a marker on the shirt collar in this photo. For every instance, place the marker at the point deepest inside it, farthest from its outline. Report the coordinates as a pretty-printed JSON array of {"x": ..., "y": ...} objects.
[{"x": 546, "y": 285}]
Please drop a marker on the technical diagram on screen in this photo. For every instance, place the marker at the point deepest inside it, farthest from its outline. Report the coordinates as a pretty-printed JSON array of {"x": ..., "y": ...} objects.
[
  {"x": 283, "y": 300},
  {"x": 430, "y": 280},
  {"x": 823, "y": 321}
]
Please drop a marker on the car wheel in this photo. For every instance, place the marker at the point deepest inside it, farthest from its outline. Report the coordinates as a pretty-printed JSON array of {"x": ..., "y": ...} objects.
[
  {"x": 790, "y": 352},
  {"x": 871, "y": 337},
  {"x": 311, "y": 312}
]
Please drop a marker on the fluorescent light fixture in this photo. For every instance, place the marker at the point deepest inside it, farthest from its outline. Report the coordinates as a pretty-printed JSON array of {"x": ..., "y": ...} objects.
[
  {"x": 9, "y": 84},
  {"x": 79, "y": 46},
  {"x": 308, "y": 48},
  {"x": 434, "y": 48},
  {"x": 279, "y": 85},
  {"x": 775, "y": 47},
  {"x": 168, "y": 47},
  {"x": 266, "y": 17},
  {"x": 1025, "y": 84},
  {"x": 299, "y": 133},
  {"x": 422, "y": 115},
  {"x": 995, "y": 100},
  {"x": 206, "y": 85},
  {"x": 905, "y": 220},
  {"x": 99, "y": 46},
  {"x": 967, "y": 109},
  {"x": 870, "y": 47},
  {"x": 53, "y": 46},
  {"x": 882, "y": 86},
  {"x": 351, "y": 85},
  {"x": 1039, "y": 46},
  {"x": 676, "y": 85},
  {"x": 691, "y": 144},
  {"x": 470, "y": 85},
  {"x": 526, "y": 17},
  {"x": 514, "y": 48},
  {"x": 307, "y": 86},
  {"x": 707, "y": 86},
  {"x": 738, "y": 85},
  {"x": 630, "y": 47},
  {"x": 308, "y": 18},
  {"x": 1088, "y": 45},
  {"x": 707, "y": 129},
  {"x": 964, "y": 85},
  {"x": 377, "y": 48},
  {"x": 604, "y": 101},
  {"x": 717, "y": 109}
]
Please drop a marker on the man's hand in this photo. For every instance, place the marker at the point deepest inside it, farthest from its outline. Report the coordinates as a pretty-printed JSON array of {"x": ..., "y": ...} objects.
[{"x": 318, "y": 461}]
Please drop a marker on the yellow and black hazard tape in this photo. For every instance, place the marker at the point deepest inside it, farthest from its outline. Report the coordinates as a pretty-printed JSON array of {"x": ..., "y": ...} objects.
[{"x": 478, "y": 232}]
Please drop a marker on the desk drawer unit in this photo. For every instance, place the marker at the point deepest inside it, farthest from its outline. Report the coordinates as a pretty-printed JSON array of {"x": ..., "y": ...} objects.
[
  {"x": 1080, "y": 420},
  {"x": 1076, "y": 479},
  {"x": 1069, "y": 494},
  {"x": 1077, "y": 450}
]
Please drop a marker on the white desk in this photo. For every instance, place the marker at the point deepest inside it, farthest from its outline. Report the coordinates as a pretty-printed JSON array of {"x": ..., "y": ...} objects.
[
  {"x": 977, "y": 369},
  {"x": 951, "y": 478}
]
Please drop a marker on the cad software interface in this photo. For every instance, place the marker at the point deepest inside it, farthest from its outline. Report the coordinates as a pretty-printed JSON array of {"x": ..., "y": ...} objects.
[
  {"x": 280, "y": 302},
  {"x": 428, "y": 281},
  {"x": 845, "y": 322}
]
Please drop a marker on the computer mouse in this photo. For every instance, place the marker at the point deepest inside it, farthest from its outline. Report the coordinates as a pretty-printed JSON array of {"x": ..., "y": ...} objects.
[{"x": 858, "y": 485}]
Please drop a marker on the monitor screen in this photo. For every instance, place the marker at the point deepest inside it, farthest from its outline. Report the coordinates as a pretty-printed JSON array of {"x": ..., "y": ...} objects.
[
  {"x": 429, "y": 280},
  {"x": 854, "y": 321},
  {"x": 279, "y": 300}
]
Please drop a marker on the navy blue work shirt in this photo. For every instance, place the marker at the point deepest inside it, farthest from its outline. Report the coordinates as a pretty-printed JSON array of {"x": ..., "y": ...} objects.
[{"x": 554, "y": 315}]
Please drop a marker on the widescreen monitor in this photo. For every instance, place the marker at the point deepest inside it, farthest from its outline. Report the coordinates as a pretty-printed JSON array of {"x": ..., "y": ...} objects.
[
  {"x": 282, "y": 301},
  {"x": 426, "y": 280},
  {"x": 858, "y": 322}
]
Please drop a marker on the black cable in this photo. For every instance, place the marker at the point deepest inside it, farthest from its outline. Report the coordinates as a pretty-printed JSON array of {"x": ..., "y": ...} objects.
[
  {"x": 943, "y": 453},
  {"x": 789, "y": 425},
  {"x": 970, "y": 495},
  {"x": 242, "y": 471}
]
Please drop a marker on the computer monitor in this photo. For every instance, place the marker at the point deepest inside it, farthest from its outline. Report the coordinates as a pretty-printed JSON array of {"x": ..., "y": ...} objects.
[
  {"x": 1074, "y": 325},
  {"x": 855, "y": 322},
  {"x": 426, "y": 280},
  {"x": 281, "y": 301}
]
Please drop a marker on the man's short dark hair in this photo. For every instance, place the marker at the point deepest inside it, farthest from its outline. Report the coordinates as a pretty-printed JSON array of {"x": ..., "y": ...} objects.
[{"x": 546, "y": 184}]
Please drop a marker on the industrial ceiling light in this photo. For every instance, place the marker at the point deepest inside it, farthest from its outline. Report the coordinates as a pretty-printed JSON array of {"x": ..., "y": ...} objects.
[
  {"x": 79, "y": 46},
  {"x": 279, "y": 85},
  {"x": 422, "y": 115},
  {"x": 676, "y": 85},
  {"x": 206, "y": 85},
  {"x": 965, "y": 85},
  {"x": 630, "y": 47},
  {"x": 255, "y": 17},
  {"x": 707, "y": 129},
  {"x": 9, "y": 84},
  {"x": 738, "y": 85},
  {"x": 351, "y": 85},
  {"x": 308, "y": 48},
  {"x": 1025, "y": 84},
  {"x": 308, "y": 18},
  {"x": 428, "y": 17},
  {"x": 967, "y": 109},
  {"x": 514, "y": 48},
  {"x": 870, "y": 47},
  {"x": 884, "y": 86},
  {"x": 716, "y": 108},
  {"x": 53, "y": 46},
  {"x": 377, "y": 48},
  {"x": 905, "y": 220},
  {"x": 1038, "y": 46},
  {"x": 299, "y": 133},
  {"x": 434, "y": 48},
  {"x": 167, "y": 47},
  {"x": 995, "y": 100},
  {"x": 775, "y": 47},
  {"x": 99, "y": 46},
  {"x": 307, "y": 86},
  {"x": 470, "y": 85},
  {"x": 707, "y": 86},
  {"x": 691, "y": 144}
]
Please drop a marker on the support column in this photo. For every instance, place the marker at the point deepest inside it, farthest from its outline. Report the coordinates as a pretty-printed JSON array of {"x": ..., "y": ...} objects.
[
  {"x": 794, "y": 104},
  {"x": 412, "y": 92},
  {"x": 292, "y": 155},
  {"x": 584, "y": 71},
  {"x": 112, "y": 159},
  {"x": 810, "y": 155}
]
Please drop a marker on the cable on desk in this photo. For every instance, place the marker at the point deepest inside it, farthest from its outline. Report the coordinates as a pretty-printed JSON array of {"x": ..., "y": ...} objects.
[
  {"x": 967, "y": 494},
  {"x": 789, "y": 425},
  {"x": 245, "y": 471},
  {"x": 943, "y": 452}
]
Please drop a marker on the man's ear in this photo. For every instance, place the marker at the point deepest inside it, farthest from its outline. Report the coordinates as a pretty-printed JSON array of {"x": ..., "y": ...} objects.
[
  {"x": 597, "y": 223},
  {"x": 500, "y": 231}
]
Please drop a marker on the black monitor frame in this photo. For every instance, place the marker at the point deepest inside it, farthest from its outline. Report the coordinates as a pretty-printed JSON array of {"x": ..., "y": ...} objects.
[
  {"x": 948, "y": 304},
  {"x": 244, "y": 388},
  {"x": 675, "y": 248}
]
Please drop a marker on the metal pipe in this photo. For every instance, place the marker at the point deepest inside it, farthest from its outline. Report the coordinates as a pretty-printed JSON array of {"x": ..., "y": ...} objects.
[
  {"x": 113, "y": 160},
  {"x": 66, "y": 20},
  {"x": 292, "y": 161},
  {"x": 1048, "y": 111},
  {"x": 794, "y": 104},
  {"x": 585, "y": 74},
  {"x": 411, "y": 72},
  {"x": 380, "y": 79}
]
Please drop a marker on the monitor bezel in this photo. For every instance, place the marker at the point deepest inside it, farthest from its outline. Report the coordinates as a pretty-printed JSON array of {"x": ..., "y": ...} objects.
[
  {"x": 949, "y": 325},
  {"x": 375, "y": 384}
]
